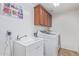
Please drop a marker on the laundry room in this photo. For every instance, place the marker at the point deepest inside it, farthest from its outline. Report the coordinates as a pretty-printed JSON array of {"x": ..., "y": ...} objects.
[{"x": 39, "y": 29}]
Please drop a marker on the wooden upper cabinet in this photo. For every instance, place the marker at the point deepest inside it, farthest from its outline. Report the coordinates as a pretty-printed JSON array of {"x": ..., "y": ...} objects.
[{"x": 42, "y": 17}]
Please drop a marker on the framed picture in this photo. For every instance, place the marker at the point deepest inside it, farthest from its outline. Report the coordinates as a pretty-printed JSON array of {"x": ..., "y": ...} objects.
[
  {"x": 7, "y": 9},
  {"x": 13, "y": 10},
  {"x": 20, "y": 13}
]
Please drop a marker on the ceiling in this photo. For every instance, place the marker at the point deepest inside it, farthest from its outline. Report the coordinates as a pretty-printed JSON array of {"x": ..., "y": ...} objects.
[{"x": 63, "y": 7}]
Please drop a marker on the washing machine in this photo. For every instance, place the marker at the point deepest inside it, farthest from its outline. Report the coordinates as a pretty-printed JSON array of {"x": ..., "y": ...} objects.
[{"x": 51, "y": 42}]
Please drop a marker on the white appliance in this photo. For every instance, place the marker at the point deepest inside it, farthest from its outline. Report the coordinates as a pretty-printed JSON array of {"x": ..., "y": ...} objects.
[
  {"x": 28, "y": 47},
  {"x": 51, "y": 43}
]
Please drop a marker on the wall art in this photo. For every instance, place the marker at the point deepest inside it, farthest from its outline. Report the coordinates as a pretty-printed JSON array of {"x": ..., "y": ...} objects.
[{"x": 13, "y": 10}]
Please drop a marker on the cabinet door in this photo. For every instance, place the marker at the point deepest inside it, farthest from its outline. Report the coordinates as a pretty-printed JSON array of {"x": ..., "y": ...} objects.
[
  {"x": 50, "y": 21},
  {"x": 35, "y": 49},
  {"x": 46, "y": 19},
  {"x": 36, "y": 16},
  {"x": 41, "y": 16}
]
